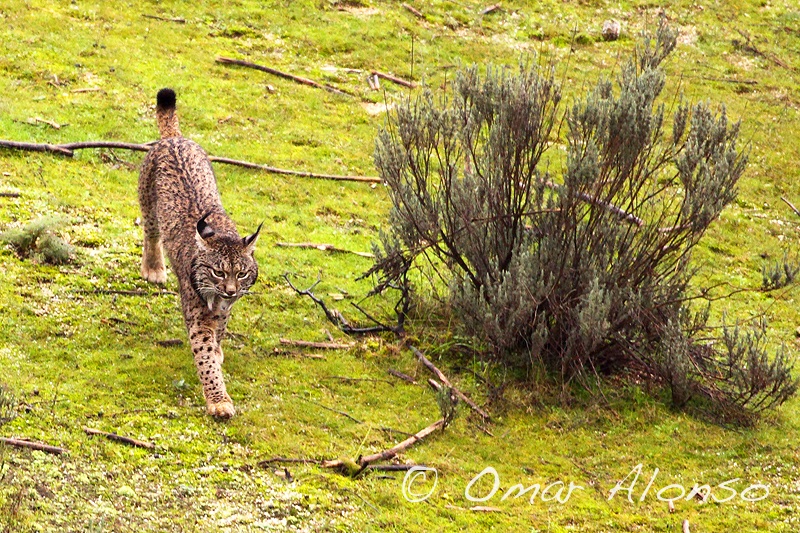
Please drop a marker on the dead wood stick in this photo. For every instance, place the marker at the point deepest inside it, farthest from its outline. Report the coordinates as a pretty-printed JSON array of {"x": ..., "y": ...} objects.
[
  {"x": 323, "y": 247},
  {"x": 166, "y": 19},
  {"x": 51, "y": 123},
  {"x": 404, "y": 377},
  {"x": 394, "y": 79},
  {"x": 9, "y": 195},
  {"x": 490, "y": 9},
  {"x": 37, "y": 147},
  {"x": 621, "y": 213},
  {"x": 414, "y": 11},
  {"x": 276, "y": 72},
  {"x": 365, "y": 461},
  {"x": 107, "y": 144},
  {"x": 791, "y": 205},
  {"x": 424, "y": 360},
  {"x": 267, "y": 462},
  {"x": 291, "y": 353},
  {"x": 86, "y": 90},
  {"x": 33, "y": 445},
  {"x": 321, "y": 345},
  {"x": 354, "y": 419},
  {"x": 394, "y": 468},
  {"x": 130, "y": 293},
  {"x": 120, "y": 438},
  {"x": 67, "y": 150},
  {"x": 273, "y": 170}
]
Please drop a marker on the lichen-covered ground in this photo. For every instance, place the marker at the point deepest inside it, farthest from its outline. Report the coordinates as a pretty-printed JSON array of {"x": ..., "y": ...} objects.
[{"x": 73, "y": 357}]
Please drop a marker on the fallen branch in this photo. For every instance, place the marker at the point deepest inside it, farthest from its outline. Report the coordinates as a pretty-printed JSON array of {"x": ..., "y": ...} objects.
[
  {"x": 36, "y": 147},
  {"x": 491, "y": 9},
  {"x": 86, "y": 90},
  {"x": 33, "y": 445},
  {"x": 156, "y": 17},
  {"x": 120, "y": 438},
  {"x": 130, "y": 293},
  {"x": 323, "y": 247},
  {"x": 621, "y": 213},
  {"x": 9, "y": 195},
  {"x": 354, "y": 419},
  {"x": 404, "y": 377},
  {"x": 276, "y": 72},
  {"x": 277, "y": 351},
  {"x": 394, "y": 79},
  {"x": 302, "y": 174},
  {"x": 348, "y": 379},
  {"x": 791, "y": 205},
  {"x": 333, "y": 315},
  {"x": 730, "y": 80},
  {"x": 424, "y": 360},
  {"x": 170, "y": 342},
  {"x": 320, "y": 345},
  {"x": 51, "y": 123},
  {"x": 267, "y": 462},
  {"x": 68, "y": 149},
  {"x": 364, "y": 462},
  {"x": 417, "y": 13}
]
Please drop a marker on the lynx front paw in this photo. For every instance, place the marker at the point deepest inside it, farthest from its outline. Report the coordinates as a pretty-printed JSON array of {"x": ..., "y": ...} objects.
[
  {"x": 155, "y": 275},
  {"x": 223, "y": 409}
]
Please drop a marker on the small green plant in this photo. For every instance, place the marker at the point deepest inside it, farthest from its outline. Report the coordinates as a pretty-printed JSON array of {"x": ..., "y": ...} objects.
[
  {"x": 779, "y": 274},
  {"x": 8, "y": 405},
  {"x": 37, "y": 240}
]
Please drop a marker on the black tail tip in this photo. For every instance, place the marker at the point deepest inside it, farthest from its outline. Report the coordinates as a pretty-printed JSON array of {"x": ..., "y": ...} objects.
[{"x": 166, "y": 99}]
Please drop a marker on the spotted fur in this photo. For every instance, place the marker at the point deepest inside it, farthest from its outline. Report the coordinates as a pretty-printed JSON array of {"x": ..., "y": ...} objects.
[{"x": 182, "y": 214}]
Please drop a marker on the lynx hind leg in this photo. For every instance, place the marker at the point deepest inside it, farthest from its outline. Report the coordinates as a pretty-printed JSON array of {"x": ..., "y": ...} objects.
[
  {"x": 153, "y": 267},
  {"x": 208, "y": 361}
]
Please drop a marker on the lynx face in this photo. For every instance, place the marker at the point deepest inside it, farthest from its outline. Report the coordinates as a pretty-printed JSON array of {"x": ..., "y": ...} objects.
[{"x": 224, "y": 268}]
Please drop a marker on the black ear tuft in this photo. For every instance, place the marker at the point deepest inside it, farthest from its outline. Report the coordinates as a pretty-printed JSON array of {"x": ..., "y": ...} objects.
[
  {"x": 247, "y": 241},
  {"x": 166, "y": 99},
  {"x": 203, "y": 229}
]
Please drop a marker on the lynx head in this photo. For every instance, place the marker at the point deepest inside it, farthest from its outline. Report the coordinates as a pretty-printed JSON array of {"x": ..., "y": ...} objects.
[{"x": 224, "y": 267}]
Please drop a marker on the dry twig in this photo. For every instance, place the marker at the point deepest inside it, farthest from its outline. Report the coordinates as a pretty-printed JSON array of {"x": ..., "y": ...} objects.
[
  {"x": 394, "y": 79},
  {"x": 166, "y": 19},
  {"x": 404, "y": 377},
  {"x": 120, "y": 438},
  {"x": 321, "y": 345},
  {"x": 414, "y": 11},
  {"x": 33, "y": 445},
  {"x": 323, "y": 247},
  {"x": 276, "y": 72},
  {"x": 68, "y": 149},
  {"x": 424, "y": 360},
  {"x": 791, "y": 205},
  {"x": 364, "y": 462}
]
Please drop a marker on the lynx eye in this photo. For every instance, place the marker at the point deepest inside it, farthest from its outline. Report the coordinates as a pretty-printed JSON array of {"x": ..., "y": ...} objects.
[
  {"x": 242, "y": 275},
  {"x": 217, "y": 273}
]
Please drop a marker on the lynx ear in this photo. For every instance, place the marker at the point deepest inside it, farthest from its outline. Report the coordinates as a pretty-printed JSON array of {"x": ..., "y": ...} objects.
[
  {"x": 204, "y": 231},
  {"x": 250, "y": 241}
]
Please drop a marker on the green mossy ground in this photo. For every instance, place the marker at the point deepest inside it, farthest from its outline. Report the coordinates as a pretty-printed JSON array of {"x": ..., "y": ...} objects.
[{"x": 74, "y": 358}]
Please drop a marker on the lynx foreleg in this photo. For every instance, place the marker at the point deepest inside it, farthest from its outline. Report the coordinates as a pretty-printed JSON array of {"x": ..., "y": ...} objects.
[{"x": 208, "y": 361}]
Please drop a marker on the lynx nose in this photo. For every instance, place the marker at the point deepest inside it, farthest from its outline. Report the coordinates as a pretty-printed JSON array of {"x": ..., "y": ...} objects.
[{"x": 230, "y": 291}]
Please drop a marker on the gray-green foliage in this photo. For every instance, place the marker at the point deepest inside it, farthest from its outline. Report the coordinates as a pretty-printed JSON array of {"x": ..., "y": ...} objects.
[
  {"x": 584, "y": 271},
  {"x": 38, "y": 240},
  {"x": 778, "y": 274}
]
